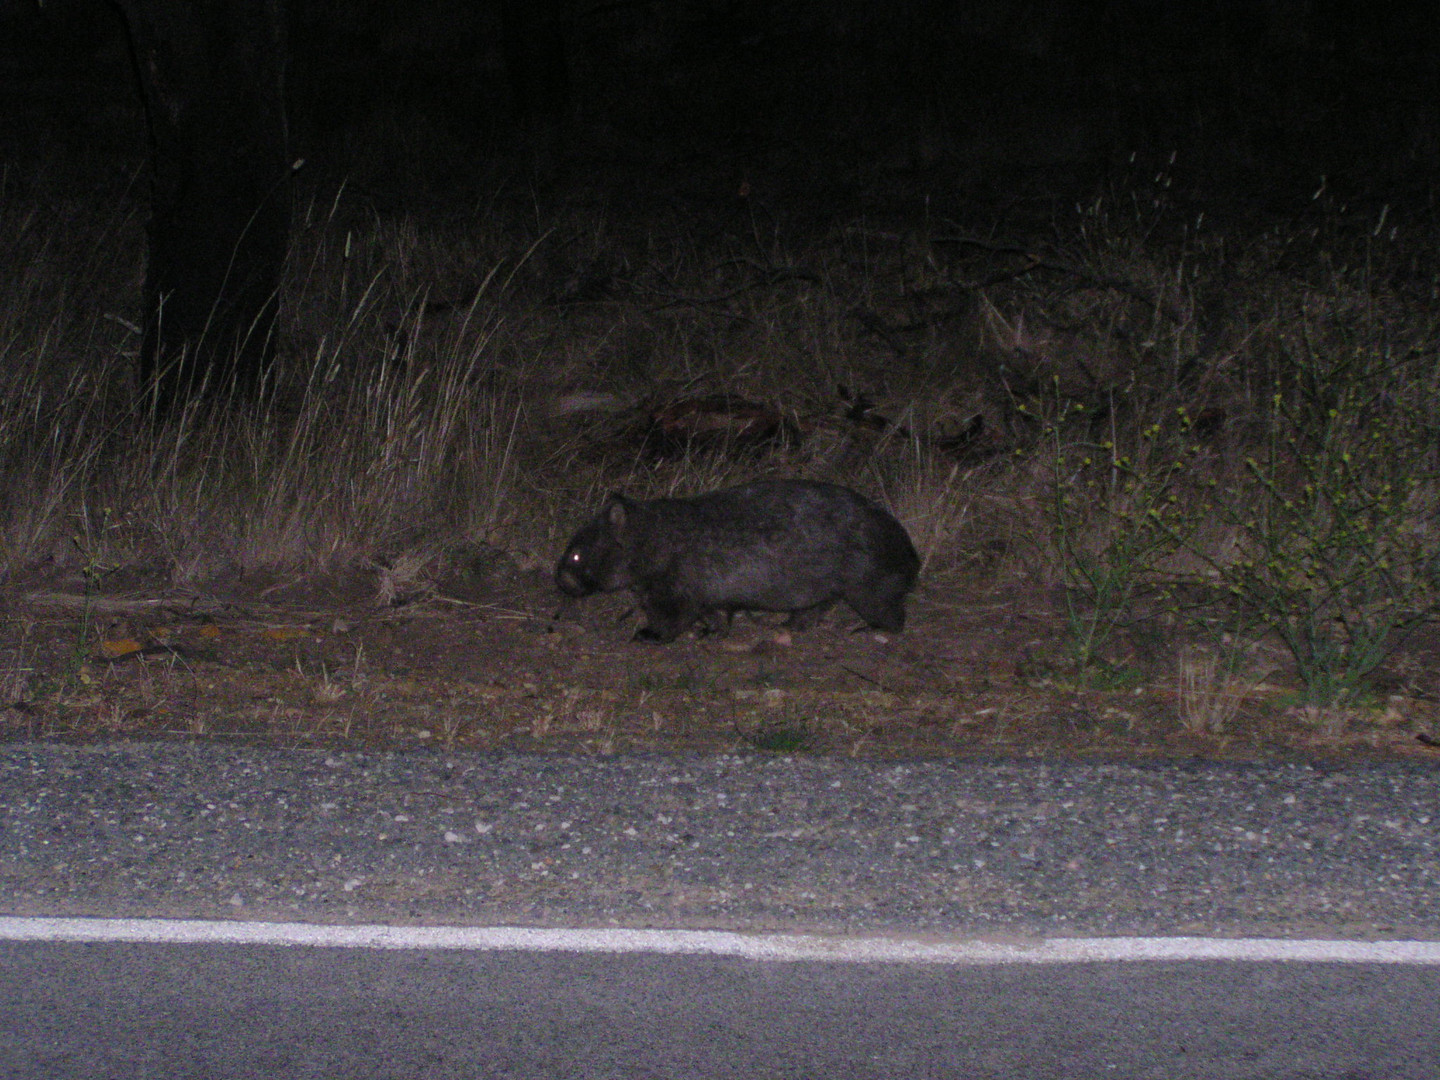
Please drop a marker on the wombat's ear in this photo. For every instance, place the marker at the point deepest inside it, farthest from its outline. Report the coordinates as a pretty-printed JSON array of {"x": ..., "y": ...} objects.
[{"x": 616, "y": 509}]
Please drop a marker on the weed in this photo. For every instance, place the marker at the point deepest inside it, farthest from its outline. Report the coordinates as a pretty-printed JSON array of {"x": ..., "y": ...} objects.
[
  {"x": 17, "y": 675},
  {"x": 934, "y": 503},
  {"x": 1115, "y": 517},
  {"x": 1212, "y": 682},
  {"x": 781, "y": 735},
  {"x": 93, "y": 570},
  {"x": 1336, "y": 515}
]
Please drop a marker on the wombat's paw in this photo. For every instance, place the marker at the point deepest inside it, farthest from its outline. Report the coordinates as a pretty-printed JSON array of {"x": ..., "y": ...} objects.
[
  {"x": 716, "y": 623},
  {"x": 880, "y": 615},
  {"x": 893, "y": 624}
]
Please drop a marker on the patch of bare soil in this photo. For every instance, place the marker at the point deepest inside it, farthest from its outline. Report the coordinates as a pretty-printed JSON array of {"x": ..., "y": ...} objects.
[{"x": 499, "y": 660}]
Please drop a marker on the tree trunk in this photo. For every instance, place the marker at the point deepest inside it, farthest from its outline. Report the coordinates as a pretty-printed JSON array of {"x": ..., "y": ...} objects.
[{"x": 212, "y": 75}]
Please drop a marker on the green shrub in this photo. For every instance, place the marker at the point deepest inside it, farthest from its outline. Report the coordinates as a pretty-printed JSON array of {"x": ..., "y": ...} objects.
[{"x": 1334, "y": 514}]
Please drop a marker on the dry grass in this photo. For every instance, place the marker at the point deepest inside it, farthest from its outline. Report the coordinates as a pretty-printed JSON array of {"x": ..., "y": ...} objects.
[{"x": 1214, "y": 683}]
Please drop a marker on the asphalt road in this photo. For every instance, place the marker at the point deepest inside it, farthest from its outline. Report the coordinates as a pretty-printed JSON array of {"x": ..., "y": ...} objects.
[
  {"x": 919, "y": 851},
  {"x": 129, "y": 1012}
]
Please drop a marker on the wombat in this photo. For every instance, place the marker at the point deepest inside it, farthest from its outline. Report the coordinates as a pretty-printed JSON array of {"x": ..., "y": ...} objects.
[{"x": 772, "y": 545}]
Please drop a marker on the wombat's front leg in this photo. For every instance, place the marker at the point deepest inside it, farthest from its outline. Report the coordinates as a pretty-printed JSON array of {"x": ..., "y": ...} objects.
[
  {"x": 804, "y": 618},
  {"x": 715, "y": 621},
  {"x": 881, "y": 613},
  {"x": 666, "y": 617}
]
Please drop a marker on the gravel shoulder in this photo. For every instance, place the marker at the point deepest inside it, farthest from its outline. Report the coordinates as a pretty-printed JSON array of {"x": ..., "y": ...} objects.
[{"x": 762, "y": 842}]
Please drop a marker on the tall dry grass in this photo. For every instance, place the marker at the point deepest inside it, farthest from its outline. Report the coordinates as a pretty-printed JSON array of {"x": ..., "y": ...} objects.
[{"x": 378, "y": 432}]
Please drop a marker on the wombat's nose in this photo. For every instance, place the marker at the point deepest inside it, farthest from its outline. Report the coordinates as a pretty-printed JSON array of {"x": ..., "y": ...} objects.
[{"x": 568, "y": 582}]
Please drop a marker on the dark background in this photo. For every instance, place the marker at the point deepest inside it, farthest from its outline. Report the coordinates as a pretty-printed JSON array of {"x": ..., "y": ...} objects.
[{"x": 427, "y": 93}]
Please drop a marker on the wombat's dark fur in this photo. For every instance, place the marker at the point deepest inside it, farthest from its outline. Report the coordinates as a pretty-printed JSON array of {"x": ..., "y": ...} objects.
[{"x": 774, "y": 545}]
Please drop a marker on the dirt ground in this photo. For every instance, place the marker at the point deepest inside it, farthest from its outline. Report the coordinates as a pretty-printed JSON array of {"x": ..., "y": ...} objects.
[{"x": 490, "y": 656}]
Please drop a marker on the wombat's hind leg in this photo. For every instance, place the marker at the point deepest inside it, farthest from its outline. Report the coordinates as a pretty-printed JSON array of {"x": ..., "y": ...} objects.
[{"x": 804, "y": 618}]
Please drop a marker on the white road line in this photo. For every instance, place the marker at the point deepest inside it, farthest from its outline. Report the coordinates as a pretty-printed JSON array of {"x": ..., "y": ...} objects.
[{"x": 782, "y": 947}]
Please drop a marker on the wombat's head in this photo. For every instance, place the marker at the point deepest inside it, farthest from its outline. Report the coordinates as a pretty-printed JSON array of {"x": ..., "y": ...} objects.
[{"x": 598, "y": 558}]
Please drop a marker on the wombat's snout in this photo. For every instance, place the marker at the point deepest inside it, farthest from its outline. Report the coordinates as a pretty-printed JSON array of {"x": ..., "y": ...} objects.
[{"x": 569, "y": 575}]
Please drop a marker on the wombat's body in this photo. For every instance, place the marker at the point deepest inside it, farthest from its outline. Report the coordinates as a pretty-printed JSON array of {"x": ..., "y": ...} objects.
[{"x": 774, "y": 545}]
